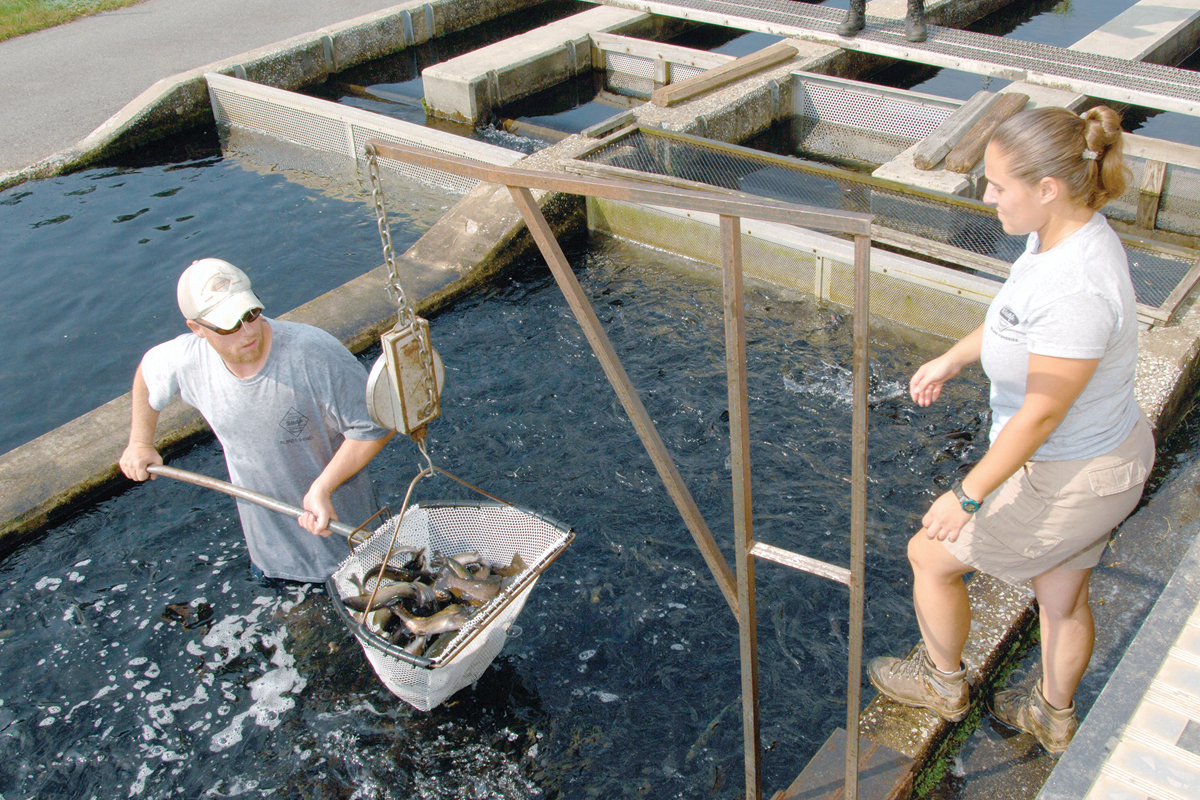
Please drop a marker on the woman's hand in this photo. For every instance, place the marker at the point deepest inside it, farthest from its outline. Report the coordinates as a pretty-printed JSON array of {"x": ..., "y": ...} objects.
[
  {"x": 926, "y": 383},
  {"x": 945, "y": 518}
]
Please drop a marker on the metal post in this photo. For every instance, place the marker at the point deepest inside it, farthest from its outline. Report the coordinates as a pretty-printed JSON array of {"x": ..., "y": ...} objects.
[
  {"x": 743, "y": 524},
  {"x": 858, "y": 502},
  {"x": 611, "y": 363},
  {"x": 739, "y": 589}
]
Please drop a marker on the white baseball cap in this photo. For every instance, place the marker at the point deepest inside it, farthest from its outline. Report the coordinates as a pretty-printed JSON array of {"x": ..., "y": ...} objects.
[{"x": 216, "y": 292}]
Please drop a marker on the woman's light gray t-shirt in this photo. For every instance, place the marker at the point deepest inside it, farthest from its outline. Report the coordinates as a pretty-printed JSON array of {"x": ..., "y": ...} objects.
[
  {"x": 279, "y": 430},
  {"x": 1075, "y": 301}
]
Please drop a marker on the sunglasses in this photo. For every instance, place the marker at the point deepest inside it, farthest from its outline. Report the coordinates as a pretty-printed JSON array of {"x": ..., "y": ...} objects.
[{"x": 247, "y": 318}]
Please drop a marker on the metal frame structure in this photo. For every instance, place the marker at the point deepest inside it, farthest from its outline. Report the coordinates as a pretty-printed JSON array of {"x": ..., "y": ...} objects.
[{"x": 739, "y": 589}]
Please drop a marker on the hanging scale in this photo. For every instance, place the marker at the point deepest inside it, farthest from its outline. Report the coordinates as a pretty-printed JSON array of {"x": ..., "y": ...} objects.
[{"x": 404, "y": 388}]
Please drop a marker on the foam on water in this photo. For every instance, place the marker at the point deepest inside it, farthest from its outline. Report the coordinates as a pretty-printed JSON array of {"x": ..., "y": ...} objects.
[{"x": 626, "y": 665}]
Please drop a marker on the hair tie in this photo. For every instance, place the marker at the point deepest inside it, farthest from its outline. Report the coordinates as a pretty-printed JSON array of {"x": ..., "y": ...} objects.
[{"x": 1090, "y": 155}]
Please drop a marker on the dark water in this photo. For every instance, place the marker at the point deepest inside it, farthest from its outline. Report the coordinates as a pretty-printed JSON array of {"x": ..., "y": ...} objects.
[
  {"x": 90, "y": 261},
  {"x": 1061, "y": 23},
  {"x": 623, "y": 680},
  {"x": 392, "y": 85}
]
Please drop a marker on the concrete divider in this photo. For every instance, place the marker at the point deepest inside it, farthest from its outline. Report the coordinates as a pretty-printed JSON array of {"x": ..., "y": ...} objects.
[
  {"x": 470, "y": 87},
  {"x": 1156, "y": 31}
]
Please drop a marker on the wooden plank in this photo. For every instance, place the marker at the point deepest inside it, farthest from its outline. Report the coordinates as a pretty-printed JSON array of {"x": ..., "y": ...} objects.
[
  {"x": 614, "y": 100},
  {"x": 1150, "y": 194},
  {"x": 968, "y": 151},
  {"x": 613, "y": 123},
  {"x": 934, "y": 148},
  {"x": 1185, "y": 155},
  {"x": 711, "y": 79}
]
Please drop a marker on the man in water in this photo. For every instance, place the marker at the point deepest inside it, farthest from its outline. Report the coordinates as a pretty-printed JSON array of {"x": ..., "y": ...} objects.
[{"x": 287, "y": 402}]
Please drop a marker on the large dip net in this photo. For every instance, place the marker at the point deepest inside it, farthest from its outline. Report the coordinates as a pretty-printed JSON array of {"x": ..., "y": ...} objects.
[{"x": 497, "y": 533}]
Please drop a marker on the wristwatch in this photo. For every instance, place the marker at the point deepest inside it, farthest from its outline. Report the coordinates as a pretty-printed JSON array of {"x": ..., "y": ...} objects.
[{"x": 968, "y": 505}]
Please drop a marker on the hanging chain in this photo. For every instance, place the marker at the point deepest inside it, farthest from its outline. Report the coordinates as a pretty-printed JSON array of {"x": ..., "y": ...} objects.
[
  {"x": 405, "y": 314},
  {"x": 406, "y": 317}
]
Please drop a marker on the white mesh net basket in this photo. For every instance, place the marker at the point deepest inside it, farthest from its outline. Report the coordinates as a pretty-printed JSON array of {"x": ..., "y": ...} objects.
[{"x": 497, "y": 532}]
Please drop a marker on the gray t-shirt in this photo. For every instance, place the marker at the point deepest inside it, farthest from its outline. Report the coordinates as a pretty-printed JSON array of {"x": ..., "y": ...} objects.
[
  {"x": 1075, "y": 301},
  {"x": 279, "y": 430}
]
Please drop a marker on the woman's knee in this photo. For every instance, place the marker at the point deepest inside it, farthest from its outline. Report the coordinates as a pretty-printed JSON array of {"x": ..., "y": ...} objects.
[
  {"x": 929, "y": 558},
  {"x": 1062, "y": 594}
]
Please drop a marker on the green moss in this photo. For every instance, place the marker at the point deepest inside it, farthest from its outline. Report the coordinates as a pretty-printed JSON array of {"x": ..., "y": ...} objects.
[{"x": 938, "y": 763}]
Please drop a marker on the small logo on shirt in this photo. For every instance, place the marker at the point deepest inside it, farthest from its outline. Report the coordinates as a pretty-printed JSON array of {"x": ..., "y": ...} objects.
[
  {"x": 293, "y": 422},
  {"x": 1007, "y": 318}
]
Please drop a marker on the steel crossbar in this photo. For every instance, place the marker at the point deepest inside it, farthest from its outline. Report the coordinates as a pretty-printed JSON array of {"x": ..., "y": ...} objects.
[{"x": 740, "y": 591}]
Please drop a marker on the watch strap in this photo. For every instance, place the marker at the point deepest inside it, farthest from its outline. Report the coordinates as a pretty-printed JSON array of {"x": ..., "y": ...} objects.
[{"x": 968, "y": 505}]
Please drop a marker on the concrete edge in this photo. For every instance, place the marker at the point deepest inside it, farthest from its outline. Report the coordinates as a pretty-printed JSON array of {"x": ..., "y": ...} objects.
[{"x": 181, "y": 101}]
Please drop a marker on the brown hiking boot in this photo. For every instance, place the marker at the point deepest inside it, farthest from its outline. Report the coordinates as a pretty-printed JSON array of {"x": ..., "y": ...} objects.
[
  {"x": 1028, "y": 711},
  {"x": 915, "y": 681}
]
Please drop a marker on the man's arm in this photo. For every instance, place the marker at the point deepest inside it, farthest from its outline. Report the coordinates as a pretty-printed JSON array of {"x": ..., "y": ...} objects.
[
  {"x": 351, "y": 457},
  {"x": 140, "y": 452}
]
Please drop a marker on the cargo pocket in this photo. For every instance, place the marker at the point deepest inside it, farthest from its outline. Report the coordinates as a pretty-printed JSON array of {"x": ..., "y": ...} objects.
[{"x": 1117, "y": 478}]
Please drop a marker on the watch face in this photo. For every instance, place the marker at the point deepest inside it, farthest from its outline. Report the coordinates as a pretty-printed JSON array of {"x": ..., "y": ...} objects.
[{"x": 970, "y": 506}]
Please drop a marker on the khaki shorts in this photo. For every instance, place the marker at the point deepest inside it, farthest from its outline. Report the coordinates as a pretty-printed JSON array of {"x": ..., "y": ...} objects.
[{"x": 1056, "y": 514}]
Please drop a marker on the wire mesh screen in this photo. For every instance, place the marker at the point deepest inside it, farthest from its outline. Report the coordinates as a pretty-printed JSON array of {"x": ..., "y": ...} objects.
[
  {"x": 964, "y": 225},
  {"x": 798, "y": 269}
]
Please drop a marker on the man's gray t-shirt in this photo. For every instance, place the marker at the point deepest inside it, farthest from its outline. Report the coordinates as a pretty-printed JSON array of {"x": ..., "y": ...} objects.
[
  {"x": 279, "y": 430},
  {"x": 1075, "y": 301}
]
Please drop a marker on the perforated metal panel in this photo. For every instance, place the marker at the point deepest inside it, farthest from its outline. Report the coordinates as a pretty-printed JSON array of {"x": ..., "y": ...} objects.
[
  {"x": 629, "y": 64},
  {"x": 334, "y": 128},
  {"x": 633, "y": 75},
  {"x": 494, "y": 531},
  {"x": 843, "y": 102}
]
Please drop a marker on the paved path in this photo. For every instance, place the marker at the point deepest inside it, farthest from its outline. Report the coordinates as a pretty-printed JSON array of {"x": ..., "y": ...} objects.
[{"x": 60, "y": 84}]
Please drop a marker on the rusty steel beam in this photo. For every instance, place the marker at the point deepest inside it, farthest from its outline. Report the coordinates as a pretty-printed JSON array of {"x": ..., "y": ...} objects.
[
  {"x": 739, "y": 590},
  {"x": 858, "y": 502},
  {"x": 704, "y": 202},
  {"x": 594, "y": 331},
  {"x": 743, "y": 520}
]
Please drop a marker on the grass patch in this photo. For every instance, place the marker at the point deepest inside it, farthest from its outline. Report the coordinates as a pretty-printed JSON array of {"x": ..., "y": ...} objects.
[{"x": 26, "y": 16}]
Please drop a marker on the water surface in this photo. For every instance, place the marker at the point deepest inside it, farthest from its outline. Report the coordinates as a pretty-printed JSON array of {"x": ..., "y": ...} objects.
[{"x": 623, "y": 679}]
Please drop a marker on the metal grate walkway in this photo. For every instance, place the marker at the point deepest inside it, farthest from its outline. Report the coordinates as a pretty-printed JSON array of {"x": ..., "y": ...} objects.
[{"x": 1114, "y": 79}]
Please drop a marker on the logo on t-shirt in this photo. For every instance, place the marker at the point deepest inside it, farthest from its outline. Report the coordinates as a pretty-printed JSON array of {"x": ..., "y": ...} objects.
[
  {"x": 1008, "y": 318},
  {"x": 293, "y": 422}
]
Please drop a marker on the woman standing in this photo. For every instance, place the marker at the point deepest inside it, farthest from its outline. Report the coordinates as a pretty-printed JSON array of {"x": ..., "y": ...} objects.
[{"x": 1070, "y": 449}]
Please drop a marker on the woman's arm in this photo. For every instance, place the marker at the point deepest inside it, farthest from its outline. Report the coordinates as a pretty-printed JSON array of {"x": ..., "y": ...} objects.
[
  {"x": 926, "y": 384},
  {"x": 1051, "y": 386}
]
